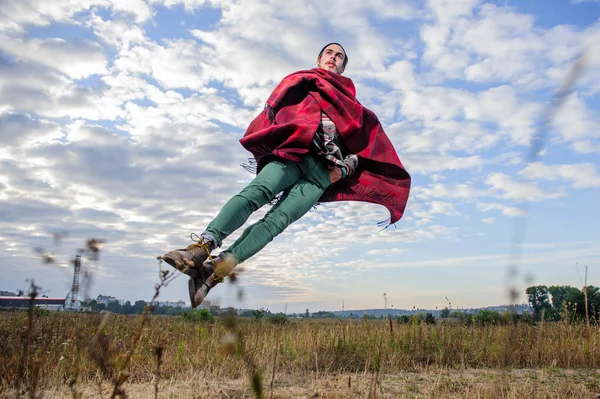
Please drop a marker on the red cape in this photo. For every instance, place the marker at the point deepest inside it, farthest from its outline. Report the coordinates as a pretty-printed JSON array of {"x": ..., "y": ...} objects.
[{"x": 291, "y": 117}]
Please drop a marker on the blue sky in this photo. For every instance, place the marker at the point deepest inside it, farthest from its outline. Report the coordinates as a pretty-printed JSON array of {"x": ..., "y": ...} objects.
[{"x": 120, "y": 120}]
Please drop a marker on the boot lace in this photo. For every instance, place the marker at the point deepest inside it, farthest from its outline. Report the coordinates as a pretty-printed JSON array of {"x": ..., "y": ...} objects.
[{"x": 200, "y": 243}]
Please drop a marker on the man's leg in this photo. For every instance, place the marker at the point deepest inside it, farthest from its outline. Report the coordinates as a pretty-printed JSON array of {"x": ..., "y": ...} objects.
[
  {"x": 274, "y": 178},
  {"x": 295, "y": 202}
]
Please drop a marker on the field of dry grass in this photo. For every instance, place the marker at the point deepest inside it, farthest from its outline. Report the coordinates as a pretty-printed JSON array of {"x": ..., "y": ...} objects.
[
  {"x": 86, "y": 355},
  {"x": 431, "y": 383}
]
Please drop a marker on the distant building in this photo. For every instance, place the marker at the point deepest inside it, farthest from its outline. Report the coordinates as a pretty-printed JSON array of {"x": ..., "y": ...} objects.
[
  {"x": 229, "y": 311},
  {"x": 22, "y": 302},
  {"x": 205, "y": 305},
  {"x": 105, "y": 299},
  {"x": 7, "y": 293},
  {"x": 174, "y": 304},
  {"x": 72, "y": 303}
]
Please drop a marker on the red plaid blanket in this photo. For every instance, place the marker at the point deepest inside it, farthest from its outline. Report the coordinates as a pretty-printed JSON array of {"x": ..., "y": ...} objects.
[{"x": 291, "y": 118}]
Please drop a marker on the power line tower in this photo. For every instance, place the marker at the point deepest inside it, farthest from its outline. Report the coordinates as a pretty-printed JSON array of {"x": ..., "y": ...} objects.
[
  {"x": 385, "y": 299},
  {"x": 75, "y": 287}
]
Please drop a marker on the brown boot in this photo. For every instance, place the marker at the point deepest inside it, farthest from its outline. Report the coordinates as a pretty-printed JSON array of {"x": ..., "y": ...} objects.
[
  {"x": 190, "y": 259},
  {"x": 213, "y": 272}
]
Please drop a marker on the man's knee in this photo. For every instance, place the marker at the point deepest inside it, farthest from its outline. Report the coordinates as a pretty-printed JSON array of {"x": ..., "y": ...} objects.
[
  {"x": 257, "y": 194},
  {"x": 278, "y": 220}
]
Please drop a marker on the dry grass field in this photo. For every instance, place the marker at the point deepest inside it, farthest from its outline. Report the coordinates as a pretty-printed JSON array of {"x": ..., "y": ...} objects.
[{"x": 62, "y": 355}]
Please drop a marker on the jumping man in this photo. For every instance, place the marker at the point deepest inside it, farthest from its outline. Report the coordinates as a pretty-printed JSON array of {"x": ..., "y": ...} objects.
[{"x": 313, "y": 142}]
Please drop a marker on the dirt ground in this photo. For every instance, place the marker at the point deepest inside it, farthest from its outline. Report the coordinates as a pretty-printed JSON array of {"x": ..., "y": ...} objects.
[{"x": 546, "y": 383}]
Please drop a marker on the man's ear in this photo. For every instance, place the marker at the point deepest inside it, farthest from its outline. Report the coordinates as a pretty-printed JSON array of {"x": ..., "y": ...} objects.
[{"x": 318, "y": 60}]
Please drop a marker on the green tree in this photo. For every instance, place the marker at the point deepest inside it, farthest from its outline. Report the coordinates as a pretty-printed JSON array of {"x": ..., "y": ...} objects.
[
  {"x": 569, "y": 302},
  {"x": 114, "y": 307},
  {"x": 323, "y": 314},
  {"x": 429, "y": 318},
  {"x": 488, "y": 317},
  {"x": 258, "y": 314},
  {"x": 279, "y": 318},
  {"x": 563, "y": 296},
  {"x": 540, "y": 302},
  {"x": 139, "y": 306},
  {"x": 593, "y": 297},
  {"x": 445, "y": 313},
  {"x": 93, "y": 304},
  {"x": 198, "y": 315},
  {"x": 127, "y": 308}
]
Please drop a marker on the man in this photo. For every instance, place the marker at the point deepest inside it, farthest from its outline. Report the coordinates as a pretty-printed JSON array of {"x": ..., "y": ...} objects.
[{"x": 313, "y": 142}]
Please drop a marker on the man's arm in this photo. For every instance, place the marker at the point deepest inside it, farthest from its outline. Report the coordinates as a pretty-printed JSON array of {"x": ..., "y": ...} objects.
[{"x": 338, "y": 172}]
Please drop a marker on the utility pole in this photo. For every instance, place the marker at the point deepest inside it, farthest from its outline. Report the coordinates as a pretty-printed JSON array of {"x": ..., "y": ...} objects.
[{"x": 75, "y": 287}]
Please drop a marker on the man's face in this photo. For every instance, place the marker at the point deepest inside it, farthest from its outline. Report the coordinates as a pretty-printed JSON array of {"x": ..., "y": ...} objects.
[{"x": 332, "y": 59}]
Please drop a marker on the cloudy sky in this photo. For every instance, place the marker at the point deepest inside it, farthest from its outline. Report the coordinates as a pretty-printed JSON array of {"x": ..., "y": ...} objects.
[{"x": 120, "y": 120}]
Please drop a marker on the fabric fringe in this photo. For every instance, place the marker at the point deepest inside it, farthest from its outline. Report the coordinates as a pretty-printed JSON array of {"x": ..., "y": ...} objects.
[
  {"x": 270, "y": 113},
  {"x": 384, "y": 224},
  {"x": 251, "y": 166}
]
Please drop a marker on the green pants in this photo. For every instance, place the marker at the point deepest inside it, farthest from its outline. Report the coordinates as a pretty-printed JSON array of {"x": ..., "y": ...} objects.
[{"x": 302, "y": 184}]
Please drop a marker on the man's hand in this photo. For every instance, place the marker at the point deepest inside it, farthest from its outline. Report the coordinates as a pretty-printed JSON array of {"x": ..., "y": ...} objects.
[{"x": 335, "y": 173}]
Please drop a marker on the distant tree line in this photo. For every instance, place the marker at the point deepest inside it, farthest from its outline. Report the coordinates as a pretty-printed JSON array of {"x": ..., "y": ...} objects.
[
  {"x": 563, "y": 302},
  {"x": 128, "y": 308},
  {"x": 486, "y": 317},
  {"x": 553, "y": 303}
]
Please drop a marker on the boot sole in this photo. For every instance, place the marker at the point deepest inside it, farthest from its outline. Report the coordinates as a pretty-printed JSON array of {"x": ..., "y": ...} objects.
[
  {"x": 179, "y": 265},
  {"x": 192, "y": 292},
  {"x": 196, "y": 299}
]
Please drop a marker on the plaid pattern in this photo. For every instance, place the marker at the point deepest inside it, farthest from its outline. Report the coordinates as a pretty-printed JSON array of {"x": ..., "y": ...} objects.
[{"x": 292, "y": 116}]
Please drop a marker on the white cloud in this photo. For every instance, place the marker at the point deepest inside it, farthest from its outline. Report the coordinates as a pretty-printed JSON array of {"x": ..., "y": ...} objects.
[
  {"x": 116, "y": 33},
  {"x": 508, "y": 188},
  {"x": 432, "y": 103},
  {"x": 586, "y": 147},
  {"x": 75, "y": 58},
  {"x": 494, "y": 260},
  {"x": 15, "y": 16},
  {"x": 27, "y": 87},
  {"x": 449, "y": 10},
  {"x": 488, "y": 220},
  {"x": 493, "y": 43},
  {"x": 576, "y": 123},
  {"x": 428, "y": 163},
  {"x": 444, "y": 208},
  {"x": 21, "y": 130},
  {"x": 458, "y": 191},
  {"x": 453, "y": 119},
  {"x": 502, "y": 42},
  {"x": 425, "y": 214},
  {"x": 400, "y": 75},
  {"x": 579, "y": 175},
  {"x": 386, "y": 252},
  {"x": 139, "y": 9},
  {"x": 505, "y": 210}
]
